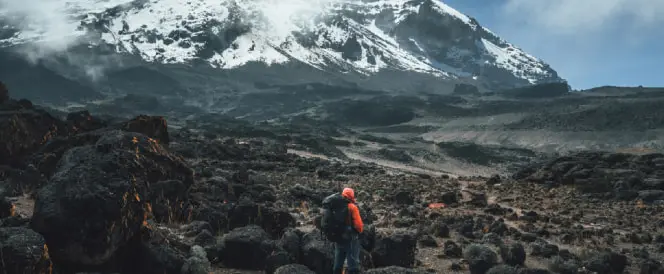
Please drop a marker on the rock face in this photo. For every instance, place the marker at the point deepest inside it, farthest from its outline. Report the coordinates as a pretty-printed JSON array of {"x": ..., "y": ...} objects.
[
  {"x": 24, "y": 128},
  {"x": 151, "y": 126},
  {"x": 100, "y": 196},
  {"x": 23, "y": 251}
]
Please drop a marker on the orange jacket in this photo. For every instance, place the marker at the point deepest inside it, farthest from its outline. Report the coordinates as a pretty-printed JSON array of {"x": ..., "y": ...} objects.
[{"x": 354, "y": 213}]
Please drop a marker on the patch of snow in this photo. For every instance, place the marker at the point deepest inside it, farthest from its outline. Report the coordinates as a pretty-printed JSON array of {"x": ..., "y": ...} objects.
[{"x": 451, "y": 11}]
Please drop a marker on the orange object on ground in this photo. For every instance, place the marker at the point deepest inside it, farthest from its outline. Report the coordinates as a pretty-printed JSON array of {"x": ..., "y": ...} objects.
[{"x": 437, "y": 205}]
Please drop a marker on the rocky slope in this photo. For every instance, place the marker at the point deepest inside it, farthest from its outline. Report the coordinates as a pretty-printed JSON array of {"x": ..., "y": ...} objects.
[{"x": 216, "y": 195}]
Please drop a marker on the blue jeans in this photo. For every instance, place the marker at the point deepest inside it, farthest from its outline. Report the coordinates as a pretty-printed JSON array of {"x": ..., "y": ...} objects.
[{"x": 347, "y": 251}]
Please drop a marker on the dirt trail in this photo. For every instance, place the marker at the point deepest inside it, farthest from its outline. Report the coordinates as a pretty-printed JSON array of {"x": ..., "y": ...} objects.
[{"x": 383, "y": 163}]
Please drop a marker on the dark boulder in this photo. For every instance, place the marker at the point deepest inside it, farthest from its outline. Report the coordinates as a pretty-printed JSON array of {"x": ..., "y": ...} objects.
[
  {"x": 291, "y": 242},
  {"x": 543, "y": 249},
  {"x": 82, "y": 121},
  {"x": 99, "y": 198},
  {"x": 293, "y": 269},
  {"x": 197, "y": 263},
  {"x": 450, "y": 197},
  {"x": 513, "y": 254},
  {"x": 606, "y": 262},
  {"x": 404, "y": 198},
  {"x": 154, "y": 255},
  {"x": 397, "y": 249},
  {"x": 317, "y": 253},
  {"x": 23, "y": 250},
  {"x": 480, "y": 258},
  {"x": 452, "y": 249},
  {"x": 276, "y": 260},
  {"x": 247, "y": 248},
  {"x": 368, "y": 237},
  {"x": 440, "y": 229},
  {"x": 273, "y": 220},
  {"x": 152, "y": 126},
  {"x": 22, "y": 131}
]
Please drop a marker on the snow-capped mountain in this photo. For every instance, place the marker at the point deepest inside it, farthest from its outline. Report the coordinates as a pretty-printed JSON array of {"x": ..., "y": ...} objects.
[{"x": 362, "y": 36}]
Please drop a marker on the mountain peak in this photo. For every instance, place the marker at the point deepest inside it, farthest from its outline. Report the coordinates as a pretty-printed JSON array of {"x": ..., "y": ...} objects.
[{"x": 363, "y": 36}]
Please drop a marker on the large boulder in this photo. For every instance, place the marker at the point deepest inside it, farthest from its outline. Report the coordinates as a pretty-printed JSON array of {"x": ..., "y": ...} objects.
[
  {"x": 152, "y": 126},
  {"x": 23, "y": 129},
  {"x": 273, "y": 220},
  {"x": 197, "y": 263},
  {"x": 85, "y": 129},
  {"x": 294, "y": 269},
  {"x": 82, "y": 121},
  {"x": 23, "y": 250},
  {"x": 247, "y": 248},
  {"x": 317, "y": 253},
  {"x": 99, "y": 197},
  {"x": 397, "y": 249}
]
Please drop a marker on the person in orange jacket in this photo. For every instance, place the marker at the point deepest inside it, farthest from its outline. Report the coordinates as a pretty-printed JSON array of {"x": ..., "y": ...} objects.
[{"x": 349, "y": 251}]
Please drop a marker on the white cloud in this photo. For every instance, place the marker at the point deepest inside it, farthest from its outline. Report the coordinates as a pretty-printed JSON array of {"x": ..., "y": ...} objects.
[{"x": 570, "y": 17}]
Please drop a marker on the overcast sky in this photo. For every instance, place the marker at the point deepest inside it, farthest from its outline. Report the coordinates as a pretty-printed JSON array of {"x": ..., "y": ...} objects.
[{"x": 589, "y": 42}]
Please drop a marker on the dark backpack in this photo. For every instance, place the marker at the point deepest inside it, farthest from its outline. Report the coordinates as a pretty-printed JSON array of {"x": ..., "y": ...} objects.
[{"x": 335, "y": 213}]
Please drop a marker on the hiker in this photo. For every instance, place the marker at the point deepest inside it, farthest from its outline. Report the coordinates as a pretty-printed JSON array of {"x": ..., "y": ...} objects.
[{"x": 342, "y": 225}]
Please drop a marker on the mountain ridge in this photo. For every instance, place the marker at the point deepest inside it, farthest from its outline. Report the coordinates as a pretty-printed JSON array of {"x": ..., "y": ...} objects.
[{"x": 365, "y": 37}]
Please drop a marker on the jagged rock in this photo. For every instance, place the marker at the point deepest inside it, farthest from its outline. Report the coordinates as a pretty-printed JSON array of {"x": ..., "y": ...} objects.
[
  {"x": 480, "y": 258},
  {"x": 606, "y": 262},
  {"x": 272, "y": 220},
  {"x": 368, "y": 238},
  {"x": 204, "y": 238},
  {"x": 293, "y": 269},
  {"x": 155, "y": 255},
  {"x": 197, "y": 263},
  {"x": 276, "y": 260},
  {"x": 247, "y": 248},
  {"x": 23, "y": 251},
  {"x": 450, "y": 197},
  {"x": 404, "y": 198},
  {"x": 291, "y": 242},
  {"x": 543, "y": 249},
  {"x": 452, "y": 249},
  {"x": 428, "y": 241},
  {"x": 317, "y": 253},
  {"x": 395, "y": 250},
  {"x": 82, "y": 121},
  {"x": 152, "y": 126},
  {"x": 98, "y": 198},
  {"x": 14, "y": 221},
  {"x": 23, "y": 130},
  {"x": 513, "y": 254},
  {"x": 651, "y": 266}
]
